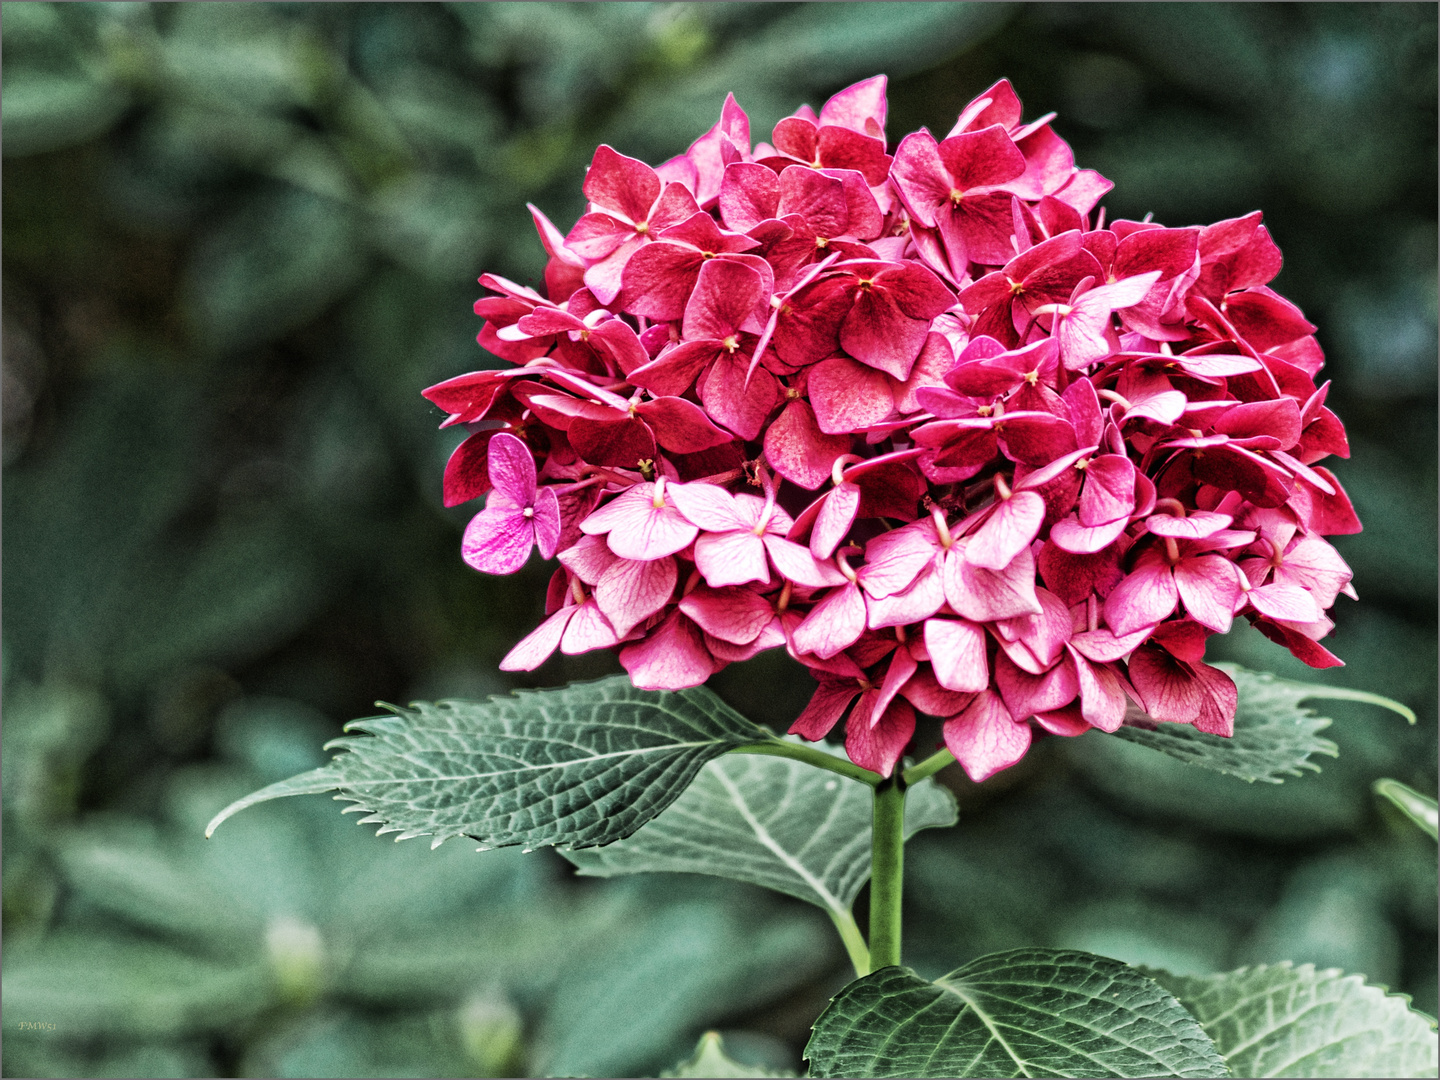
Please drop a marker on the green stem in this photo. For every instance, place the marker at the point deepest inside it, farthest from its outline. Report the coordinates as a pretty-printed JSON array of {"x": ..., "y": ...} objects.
[
  {"x": 887, "y": 868},
  {"x": 929, "y": 767},
  {"x": 853, "y": 939},
  {"x": 811, "y": 756}
]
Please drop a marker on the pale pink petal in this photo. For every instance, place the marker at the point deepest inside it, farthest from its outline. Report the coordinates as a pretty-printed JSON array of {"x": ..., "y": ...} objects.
[
  {"x": 1069, "y": 535},
  {"x": 895, "y": 559},
  {"x": 986, "y": 595},
  {"x": 1102, "y": 698},
  {"x": 878, "y": 746},
  {"x": 731, "y": 558},
  {"x": 797, "y": 564},
  {"x": 710, "y": 507},
  {"x": 730, "y": 614},
  {"x": 672, "y": 656},
  {"x": 1145, "y": 596},
  {"x": 1103, "y": 647},
  {"x": 537, "y": 646},
  {"x": 588, "y": 559},
  {"x": 1315, "y": 566},
  {"x": 1196, "y": 526},
  {"x": 915, "y": 604},
  {"x": 1289, "y": 603},
  {"x": 837, "y": 514},
  {"x": 498, "y": 539},
  {"x": 588, "y": 629},
  {"x": 1035, "y": 641},
  {"x": 985, "y": 738},
  {"x": 1209, "y": 590},
  {"x": 1006, "y": 532},
  {"x": 833, "y": 624},
  {"x": 1109, "y": 490},
  {"x": 638, "y": 529},
  {"x": 957, "y": 653},
  {"x": 629, "y": 592}
]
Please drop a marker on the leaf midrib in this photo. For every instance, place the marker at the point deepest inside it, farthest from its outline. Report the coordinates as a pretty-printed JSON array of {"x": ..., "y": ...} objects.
[
  {"x": 762, "y": 834},
  {"x": 1113, "y": 1034},
  {"x": 527, "y": 767}
]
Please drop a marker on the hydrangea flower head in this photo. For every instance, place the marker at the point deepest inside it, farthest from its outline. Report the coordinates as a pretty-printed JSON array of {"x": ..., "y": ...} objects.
[{"x": 915, "y": 413}]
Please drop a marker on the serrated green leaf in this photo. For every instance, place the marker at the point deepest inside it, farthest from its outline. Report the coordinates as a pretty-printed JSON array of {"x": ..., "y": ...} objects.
[
  {"x": 1275, "y": 736},
  {"x": 710, "y": 1059},
  {"x": 1281, "y": 1020},
  {"x": 1026, "y": 1012},
  {"x": 1420, "y": 809},
  {"x": 771, "y": 821},
  {"x": 586, "y": 764}
]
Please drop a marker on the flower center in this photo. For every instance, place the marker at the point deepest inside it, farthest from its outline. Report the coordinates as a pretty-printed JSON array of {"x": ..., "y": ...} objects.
[
  {"x": 642, "y": 227},
  {"x": 730, "y": 343},
  {"x": 956, "y": 195},
  {"x": 528, "y": 512}
]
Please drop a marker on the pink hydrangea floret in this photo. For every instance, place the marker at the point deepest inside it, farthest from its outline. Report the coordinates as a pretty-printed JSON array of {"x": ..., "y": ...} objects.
[{"x": 918, "y": 415}]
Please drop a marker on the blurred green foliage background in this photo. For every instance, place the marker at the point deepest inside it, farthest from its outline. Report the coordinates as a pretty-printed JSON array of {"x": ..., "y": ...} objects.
[{"x": 238, "y": 241}]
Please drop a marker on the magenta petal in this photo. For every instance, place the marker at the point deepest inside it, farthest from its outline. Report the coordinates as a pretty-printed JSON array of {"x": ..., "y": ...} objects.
[
  {"x": 797, "y": 564},
  {"x": 1103, "y": 647},
  {"x": 498, "y": 539},
  {"x": 986, "y": 595},
  {"x": 742, "y": 406},
  {"x": 878, "y": 746},
  {"x": 466, "y": 473},
  {"x": 798, "y": 450},
  {"x": 833, "y": 624},
  {"x": 1167, "y": 689},
  {"x": 902, "y": 666},
  {"x": 848, "y": 396},
  {"x": 1145, "y": 596},
  {"x": 1008, "y": 531},
  {"x": 1209, "y": 589},
  {"x": 537, "y": 646},
  {"x": 957, "y": 653},
  {"x": 512, "y": 469},
  {"x": 985, "y": 738},
  {"x": 829, "y": 702},
  {"x": 672, "y": 657},
  {"x": 1109, "y": 490},
  {"x": 837, "y": 514},
  {"x": 547, "y": 522},
  {"x": 629, "y": 592},
  {"x": 680, "y": 425},
  {"x": 731, "y": 558},
  {"x": 731, "y": 614}
]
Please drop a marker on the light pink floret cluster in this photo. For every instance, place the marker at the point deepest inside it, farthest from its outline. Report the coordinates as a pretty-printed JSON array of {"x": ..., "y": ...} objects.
[{"x": 916, "y": 414}]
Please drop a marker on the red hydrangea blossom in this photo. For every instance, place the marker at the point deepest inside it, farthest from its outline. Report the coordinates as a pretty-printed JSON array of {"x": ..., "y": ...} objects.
[{"x": 915, "y": 413}]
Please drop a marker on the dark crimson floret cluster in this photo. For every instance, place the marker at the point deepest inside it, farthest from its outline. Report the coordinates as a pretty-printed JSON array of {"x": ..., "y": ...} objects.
[{"x": 924, "y": 419}]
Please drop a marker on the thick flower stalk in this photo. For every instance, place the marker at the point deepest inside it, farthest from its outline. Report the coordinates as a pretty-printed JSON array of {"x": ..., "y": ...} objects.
[{"x": 926, "y": 421}]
